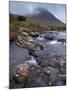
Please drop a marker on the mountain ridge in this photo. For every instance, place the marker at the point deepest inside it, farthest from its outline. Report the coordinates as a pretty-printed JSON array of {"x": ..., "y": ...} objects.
[{"x": 44, "y": 17}]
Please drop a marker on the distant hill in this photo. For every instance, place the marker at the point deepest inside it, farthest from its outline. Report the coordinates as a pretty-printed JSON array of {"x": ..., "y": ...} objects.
[
  {"x": 45, "y": 18},
  {"x": 41, "y": 19}
]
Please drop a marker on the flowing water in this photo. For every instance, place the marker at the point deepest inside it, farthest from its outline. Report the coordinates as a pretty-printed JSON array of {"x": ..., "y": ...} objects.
[
  {"x": 52, "y": 47},
  {"x": 18, "y": 55}
]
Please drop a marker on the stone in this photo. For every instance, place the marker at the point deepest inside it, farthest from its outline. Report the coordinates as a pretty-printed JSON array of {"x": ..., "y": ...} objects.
[
  {"x": 29, "y": 43},
  {"x": 61, "y": 62},
  {"x": 52, "y": 72},
  {"x": 21, "y": 72},
  {"x": 43, "y": 63},
  {"x": 37, "y": 78}
]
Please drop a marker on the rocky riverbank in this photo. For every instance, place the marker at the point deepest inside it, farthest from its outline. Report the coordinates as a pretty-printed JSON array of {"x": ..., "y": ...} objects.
[{"x": 38, "y": 59}]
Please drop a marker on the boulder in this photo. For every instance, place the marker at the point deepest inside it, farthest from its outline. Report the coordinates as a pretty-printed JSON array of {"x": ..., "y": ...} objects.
[
  {"x": 21, "y": 72},
  {"x": 57, "y": 62},
  {"x": 43, "y": 63},
  {"x": 29, "y": 44},
  {"x": 53, "y": 74},
  {"x": 26, "y": 41},
  {"x": 61, "y": 62},
  {"x": 37, "y": 78}
]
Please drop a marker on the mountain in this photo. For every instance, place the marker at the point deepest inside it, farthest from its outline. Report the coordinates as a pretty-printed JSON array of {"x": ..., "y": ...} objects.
[{"x": 45, "y": 18}]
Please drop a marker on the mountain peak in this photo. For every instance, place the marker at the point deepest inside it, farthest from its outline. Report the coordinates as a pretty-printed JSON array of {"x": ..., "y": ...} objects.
[{"x": 44, "y": 16}]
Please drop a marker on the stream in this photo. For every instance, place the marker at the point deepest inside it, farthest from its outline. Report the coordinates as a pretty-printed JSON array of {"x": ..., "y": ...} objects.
[{"x": 53, "y": 47}]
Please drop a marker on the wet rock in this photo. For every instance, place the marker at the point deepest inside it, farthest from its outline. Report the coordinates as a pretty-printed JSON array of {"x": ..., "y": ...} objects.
[
  {"x": 32, "y": 53},
  {"x": 61, "y": 40},
  {"x": 53, "y": 74},
  {"x": 37, "y": 78},
  {"x": 25, "y": 40},
  {"x": 34, "y": 34},
  {"x": 49, "y": 38},
  {"x": 36, "y": 46},
  {"x": 43, "y": 63},
  {"x": 63, "y": 70},
  {"x": 57, "y": 62},
  {"x": 61, "y": 62},
  {"x": 21, "y": 72},
  {"x": 47, "y": 61},
  {"x": 29, "y": 43}
]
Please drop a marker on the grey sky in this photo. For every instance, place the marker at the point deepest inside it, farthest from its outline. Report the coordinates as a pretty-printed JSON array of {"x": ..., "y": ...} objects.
[{"x": 24, "y": 8}]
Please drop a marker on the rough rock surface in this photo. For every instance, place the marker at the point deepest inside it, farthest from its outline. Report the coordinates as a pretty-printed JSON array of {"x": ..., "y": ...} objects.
[{"x": 21, "y": 72}]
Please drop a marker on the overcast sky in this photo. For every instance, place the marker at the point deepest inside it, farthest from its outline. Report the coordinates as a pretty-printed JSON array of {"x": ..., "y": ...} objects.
[{"x": 24, "y": 8}]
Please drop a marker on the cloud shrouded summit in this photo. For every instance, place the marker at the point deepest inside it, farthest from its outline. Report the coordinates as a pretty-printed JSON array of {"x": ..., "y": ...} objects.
[{"x": 27, "y": 8}]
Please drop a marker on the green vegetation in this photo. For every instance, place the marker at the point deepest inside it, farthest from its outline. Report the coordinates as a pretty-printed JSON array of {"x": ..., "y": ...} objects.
[
  {"x": 34, "y": 27},
  {"x": 37, "y": 27},
  {"x": 16, "y": 18},
  {"x": 13, "y": 30},
  {"x": 21, "y": 18},
  {"x": 59, "y": 28},
  {"x": 16, "y": 22}
]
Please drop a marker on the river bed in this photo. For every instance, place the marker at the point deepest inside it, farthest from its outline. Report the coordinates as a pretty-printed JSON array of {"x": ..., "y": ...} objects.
[{"x": 53, "y": 47}]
